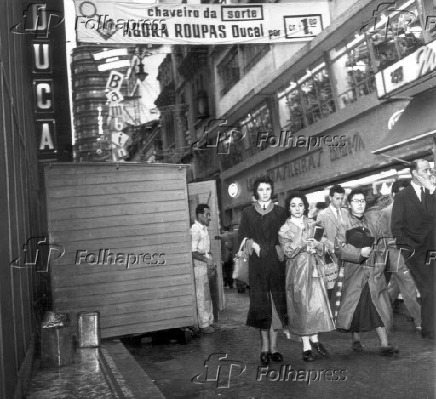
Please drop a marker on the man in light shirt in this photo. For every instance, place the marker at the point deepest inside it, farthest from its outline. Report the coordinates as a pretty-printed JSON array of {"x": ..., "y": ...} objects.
[{"x": 202, "y": 260}]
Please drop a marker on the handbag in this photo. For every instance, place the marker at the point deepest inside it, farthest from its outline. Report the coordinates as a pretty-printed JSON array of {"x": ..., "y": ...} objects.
[
  {"x": 359, "y": 237},
  {"x": 240, "y": 262}
]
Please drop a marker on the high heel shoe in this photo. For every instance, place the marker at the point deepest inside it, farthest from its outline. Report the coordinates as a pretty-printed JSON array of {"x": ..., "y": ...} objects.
[
  {"x": 275, "y": 357},
  {"x": 308, "y": 356},
  {"x": 264, "y": 358}
]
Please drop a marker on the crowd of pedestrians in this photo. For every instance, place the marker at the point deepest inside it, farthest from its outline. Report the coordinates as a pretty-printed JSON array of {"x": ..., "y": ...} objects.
[{"x": 342, "y": 269}]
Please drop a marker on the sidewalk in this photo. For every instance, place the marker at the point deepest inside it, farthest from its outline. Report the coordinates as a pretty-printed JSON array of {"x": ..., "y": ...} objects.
[
  {"x": 108, "y": 372},
  {"x": 226, "y": 364}
]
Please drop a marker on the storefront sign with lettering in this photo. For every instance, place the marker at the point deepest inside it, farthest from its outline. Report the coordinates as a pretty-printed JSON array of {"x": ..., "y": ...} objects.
[{"x": 408, "y": 70}]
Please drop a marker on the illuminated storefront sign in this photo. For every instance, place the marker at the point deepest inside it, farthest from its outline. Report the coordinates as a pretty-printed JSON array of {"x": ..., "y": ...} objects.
[{"x": 408, "y": 70}]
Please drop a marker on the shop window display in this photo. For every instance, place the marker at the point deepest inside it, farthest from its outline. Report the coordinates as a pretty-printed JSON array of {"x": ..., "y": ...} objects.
[
  {"x": 395, "y": 34},
  {"x": 353, "y": 70},
  {"x": 256, "y": 122},
  {"x": 308, "y": 100}
]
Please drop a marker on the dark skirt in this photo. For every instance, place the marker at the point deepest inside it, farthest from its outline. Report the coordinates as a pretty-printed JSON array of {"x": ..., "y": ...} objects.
[{"x": 365, "y": 317}]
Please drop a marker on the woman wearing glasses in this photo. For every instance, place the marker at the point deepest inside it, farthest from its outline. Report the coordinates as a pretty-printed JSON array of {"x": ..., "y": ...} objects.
[
  {"x": 306, "y": 295},
  {"x": 361, "y": 301}
]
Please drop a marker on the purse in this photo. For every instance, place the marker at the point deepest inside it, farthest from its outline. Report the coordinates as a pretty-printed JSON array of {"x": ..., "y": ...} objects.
[
  {"x": 359, "y": 237},
  {"x": 240, "y": 265}
]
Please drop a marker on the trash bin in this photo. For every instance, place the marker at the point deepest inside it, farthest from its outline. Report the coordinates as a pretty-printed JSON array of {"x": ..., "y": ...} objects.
[
  {"x": 88, "y": 329},
  {"x": 56, "y": 346}
]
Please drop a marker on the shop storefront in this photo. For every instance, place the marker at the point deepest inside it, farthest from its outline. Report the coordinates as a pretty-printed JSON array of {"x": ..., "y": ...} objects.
[
  {"x": 343, "y": 152},
  {"x": 339, "y": 108}
]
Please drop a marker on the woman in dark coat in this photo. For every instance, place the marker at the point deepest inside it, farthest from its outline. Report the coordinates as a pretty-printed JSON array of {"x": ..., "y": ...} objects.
[{"x": 260, "y": 224}]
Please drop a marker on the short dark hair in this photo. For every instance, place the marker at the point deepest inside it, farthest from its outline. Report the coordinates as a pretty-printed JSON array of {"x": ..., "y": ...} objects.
[
  {"x": 414, "y": 164},
  {"x": 296, "y": 194},
  {"x": 259, "y": 180},
  {"x": 321, "y": 205},
  {"x": 354, "y": 192},
  {"x": 200, "y": 209},
  {"x": 337, "y": 188},
  {"x": 397, "y": 184}
]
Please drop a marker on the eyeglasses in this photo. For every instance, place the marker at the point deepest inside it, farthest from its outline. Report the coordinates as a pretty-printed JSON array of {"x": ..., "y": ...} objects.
[{"x": 358, "y": 201}]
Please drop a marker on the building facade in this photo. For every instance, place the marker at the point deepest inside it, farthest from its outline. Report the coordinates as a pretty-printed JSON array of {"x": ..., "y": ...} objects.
[
  {"x": 313, "y": 114},
  {"x": 34, "y": 129}
]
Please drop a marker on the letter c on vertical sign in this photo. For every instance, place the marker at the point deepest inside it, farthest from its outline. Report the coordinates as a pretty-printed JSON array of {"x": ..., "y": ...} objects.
[{"x": 44, "y": 95}]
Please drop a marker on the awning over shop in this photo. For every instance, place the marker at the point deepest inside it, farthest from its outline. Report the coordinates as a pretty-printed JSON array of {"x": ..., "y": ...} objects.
[{"x": 417, "y": 122}]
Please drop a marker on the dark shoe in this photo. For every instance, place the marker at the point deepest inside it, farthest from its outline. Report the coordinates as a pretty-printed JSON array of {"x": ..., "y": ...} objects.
[
  {"x": 308, "y": 356},
  {"x": 207, "y": 330},
  {"x": 276, "y": 356},
  {"x": 357, "y": 346},
  {"x": 264, "y": 358},
  {"x": 216, "y": 326},
  {"x": 389, "y": 350},
  {"x": 319, "y": 347},
  {"x": 428, "y": 335}
]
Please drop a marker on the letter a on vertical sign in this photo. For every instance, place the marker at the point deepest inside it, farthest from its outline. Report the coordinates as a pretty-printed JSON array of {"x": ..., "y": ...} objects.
[{"x": 46, "y": 133}]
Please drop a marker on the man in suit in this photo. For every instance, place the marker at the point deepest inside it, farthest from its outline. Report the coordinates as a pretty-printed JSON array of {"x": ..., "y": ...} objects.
[
  {"x": 330, "y": 218},
  {"x": 413, "y": 229},
  {"x": 401, "y": 279}
]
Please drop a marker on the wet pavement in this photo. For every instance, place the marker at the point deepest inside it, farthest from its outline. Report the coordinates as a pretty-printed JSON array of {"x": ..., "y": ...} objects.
[{"x": 226, "y": 364}]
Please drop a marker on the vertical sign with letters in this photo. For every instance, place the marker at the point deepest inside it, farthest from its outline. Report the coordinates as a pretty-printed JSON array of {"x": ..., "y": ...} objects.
[{"x": 43, "y": 23}]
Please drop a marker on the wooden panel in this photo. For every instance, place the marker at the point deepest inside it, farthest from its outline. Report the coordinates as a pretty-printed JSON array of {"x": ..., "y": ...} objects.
[
  {"x": 148, "y": 326},
  {"x": 101, "y": 215},
  {"x": 124, "y": 220},
  {"x": 114, "y": 210},
  {"x": 119, "y": 188},
  {"x": 82, "y": 303},
  {"x": 129, "y": 198}
]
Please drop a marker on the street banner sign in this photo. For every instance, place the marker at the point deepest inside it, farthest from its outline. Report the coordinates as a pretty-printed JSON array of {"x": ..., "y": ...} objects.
[{"x": 118, "y": 22}]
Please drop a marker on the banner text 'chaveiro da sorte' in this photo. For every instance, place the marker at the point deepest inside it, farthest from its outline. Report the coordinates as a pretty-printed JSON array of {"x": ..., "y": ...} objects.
[{"x": 124, "y": 22}]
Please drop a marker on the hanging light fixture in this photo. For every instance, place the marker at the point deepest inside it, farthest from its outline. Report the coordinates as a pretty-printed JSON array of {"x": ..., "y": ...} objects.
[{"x": 141, "y": 74}]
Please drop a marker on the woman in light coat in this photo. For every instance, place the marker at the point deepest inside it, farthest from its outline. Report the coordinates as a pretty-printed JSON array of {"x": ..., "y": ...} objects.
[{"x": 306, "y": 295}]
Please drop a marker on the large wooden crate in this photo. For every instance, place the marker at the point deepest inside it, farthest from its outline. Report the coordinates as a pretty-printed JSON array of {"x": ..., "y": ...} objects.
[{"x": 132, "y": 211}]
